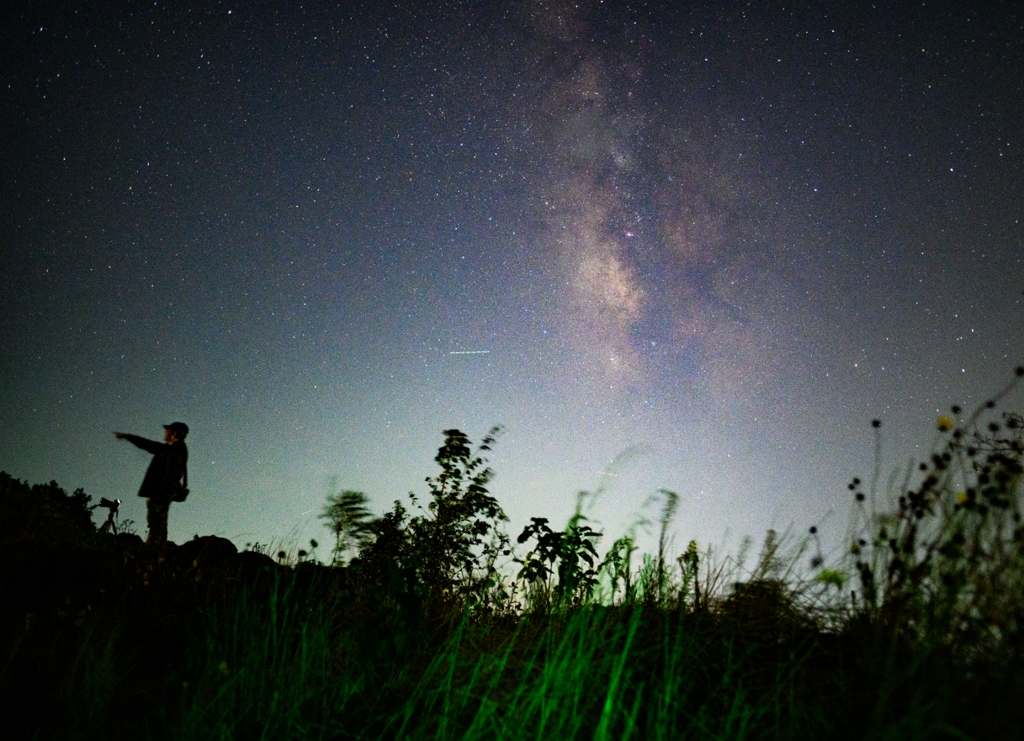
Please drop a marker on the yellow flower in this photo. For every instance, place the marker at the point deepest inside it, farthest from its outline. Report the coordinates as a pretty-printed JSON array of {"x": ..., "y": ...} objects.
[
  {"x": 945, "y": 424},
  {"x": 961, "y": 497}
]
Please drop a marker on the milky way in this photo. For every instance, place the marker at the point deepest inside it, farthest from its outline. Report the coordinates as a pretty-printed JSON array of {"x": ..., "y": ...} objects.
[{"x": 698, "y": 248}]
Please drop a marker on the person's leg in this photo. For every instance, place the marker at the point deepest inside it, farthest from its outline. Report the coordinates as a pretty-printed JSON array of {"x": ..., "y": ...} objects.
[{"x": 156, "y": 519}]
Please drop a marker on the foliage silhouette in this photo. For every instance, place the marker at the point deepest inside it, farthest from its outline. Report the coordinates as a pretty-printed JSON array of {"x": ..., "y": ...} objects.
[
  {"x": 946, "y": 565},
  {"x": 446, "y": 554},
  {"x": 348, "y": 520},
  {"x": 34, "y": 514},
  {"x": 573, "y": 549}
]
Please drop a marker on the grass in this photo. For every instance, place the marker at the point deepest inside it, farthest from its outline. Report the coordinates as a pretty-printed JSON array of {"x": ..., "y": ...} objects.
[
  {"x": 914, "y": 634},
  {"x": 280, "y": 667}
]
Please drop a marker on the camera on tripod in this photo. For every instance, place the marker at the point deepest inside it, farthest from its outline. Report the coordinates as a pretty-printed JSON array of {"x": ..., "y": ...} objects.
[{"x": 112, "y": 506}]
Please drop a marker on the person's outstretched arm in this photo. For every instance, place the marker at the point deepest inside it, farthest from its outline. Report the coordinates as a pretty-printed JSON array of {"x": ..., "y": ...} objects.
[{"x": 150, "y": 446}]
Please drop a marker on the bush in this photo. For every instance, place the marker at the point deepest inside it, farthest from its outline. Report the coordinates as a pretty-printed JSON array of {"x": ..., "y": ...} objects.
[
  {"x": 946, "y": 565},
  {"x": 34, "y": 516}
]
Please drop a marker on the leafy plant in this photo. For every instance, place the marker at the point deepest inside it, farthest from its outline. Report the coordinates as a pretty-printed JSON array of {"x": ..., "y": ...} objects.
[
  {"x": 947, "y": 564},
  {"x": 689, "y": 564},
  {"x": 452, "y": 546},
  {"x": 573, "y": 551},
  {"x": 348, "y": 519},
  {"x": 668, "y": 512},
  {"x": 41, "y": 512},
  {"x": 618, "y": 564}
]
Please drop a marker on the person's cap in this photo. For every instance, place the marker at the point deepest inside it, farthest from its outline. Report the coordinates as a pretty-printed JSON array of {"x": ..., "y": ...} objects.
[{"x": 179, "y": 427}]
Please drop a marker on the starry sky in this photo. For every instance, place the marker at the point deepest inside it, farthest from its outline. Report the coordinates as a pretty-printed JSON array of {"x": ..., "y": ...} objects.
[{"x": 689, "y": 246}]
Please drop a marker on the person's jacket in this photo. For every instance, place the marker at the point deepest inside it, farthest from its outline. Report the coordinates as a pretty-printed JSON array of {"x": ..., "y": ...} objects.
[{"x": 165, "y": 470}]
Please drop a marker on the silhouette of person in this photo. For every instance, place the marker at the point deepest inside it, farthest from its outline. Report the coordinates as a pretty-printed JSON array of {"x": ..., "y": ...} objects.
[{"x": 162, "y": 481}]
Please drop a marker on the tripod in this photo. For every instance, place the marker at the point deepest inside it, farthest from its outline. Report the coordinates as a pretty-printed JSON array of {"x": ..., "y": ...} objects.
[{"x": 112, "y": 507}]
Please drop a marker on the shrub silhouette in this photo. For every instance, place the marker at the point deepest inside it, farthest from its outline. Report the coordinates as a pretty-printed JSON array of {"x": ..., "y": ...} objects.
[
  {"x": 348, "y": 520},
  {"x": 946, "y": 566},
  {"x": 447, "y": 553},
  {"x": 573, "y": 550},
  {"x": 34, "y": 515}
]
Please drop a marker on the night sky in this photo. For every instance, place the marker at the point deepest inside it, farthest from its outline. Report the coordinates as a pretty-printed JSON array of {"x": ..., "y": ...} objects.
[{"x": 698, "y": 248}]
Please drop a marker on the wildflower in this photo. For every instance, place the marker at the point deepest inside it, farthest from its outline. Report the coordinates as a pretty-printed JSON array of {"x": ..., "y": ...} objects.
[
  {"x": 831, "y": 577},
  {"x": 961, "y": 497},
  {"x": 945, "y": 424}
]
